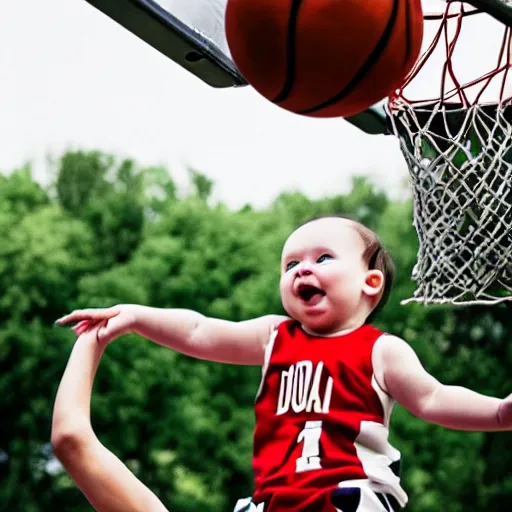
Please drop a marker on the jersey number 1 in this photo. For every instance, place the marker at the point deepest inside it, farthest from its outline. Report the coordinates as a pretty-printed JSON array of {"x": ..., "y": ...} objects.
[{"x": 310, "y": 437}]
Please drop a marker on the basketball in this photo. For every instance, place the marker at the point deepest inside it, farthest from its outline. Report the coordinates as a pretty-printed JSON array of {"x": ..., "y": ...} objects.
[{"x": 324, "y": 58}]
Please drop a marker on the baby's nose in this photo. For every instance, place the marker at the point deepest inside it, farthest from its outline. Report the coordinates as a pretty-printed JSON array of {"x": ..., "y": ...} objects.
[{"x": 304, "y": 270}]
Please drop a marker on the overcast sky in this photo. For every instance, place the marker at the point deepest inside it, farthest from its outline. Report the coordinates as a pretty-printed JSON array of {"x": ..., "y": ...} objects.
[{"x": 70, "y": 78}]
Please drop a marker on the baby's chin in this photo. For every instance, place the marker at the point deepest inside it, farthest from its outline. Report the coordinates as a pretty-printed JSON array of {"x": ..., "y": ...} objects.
[
  {"x": 321, "y": 324},
  {"x": 317, "y": 326}
]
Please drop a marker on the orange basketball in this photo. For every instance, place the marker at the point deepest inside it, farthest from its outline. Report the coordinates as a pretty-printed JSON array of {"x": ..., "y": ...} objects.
[{"x": 324, "y": 58}]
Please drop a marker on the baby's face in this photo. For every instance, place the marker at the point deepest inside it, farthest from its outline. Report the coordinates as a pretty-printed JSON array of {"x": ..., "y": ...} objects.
[{"x": 323, "y": 274}]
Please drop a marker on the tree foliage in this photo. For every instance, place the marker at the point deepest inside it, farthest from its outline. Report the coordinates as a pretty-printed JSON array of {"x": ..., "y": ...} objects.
[{"x": 110, "y": 232}]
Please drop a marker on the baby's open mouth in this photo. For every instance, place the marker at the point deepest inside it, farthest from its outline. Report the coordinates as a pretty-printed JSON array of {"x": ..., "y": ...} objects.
[{"x": 308, "y": 292}]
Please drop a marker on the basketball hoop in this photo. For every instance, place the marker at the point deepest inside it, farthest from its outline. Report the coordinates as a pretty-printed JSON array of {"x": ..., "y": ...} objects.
[{"x": 458, "y": 147}]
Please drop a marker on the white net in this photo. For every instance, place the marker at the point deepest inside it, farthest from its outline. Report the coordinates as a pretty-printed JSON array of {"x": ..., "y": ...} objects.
[
  {"x": 460, "y": 163},
  {"x": 459, "y": 153}
]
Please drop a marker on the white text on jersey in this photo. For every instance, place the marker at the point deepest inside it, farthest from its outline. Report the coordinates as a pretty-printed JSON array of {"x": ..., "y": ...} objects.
[{"x": 300, "y": 389}]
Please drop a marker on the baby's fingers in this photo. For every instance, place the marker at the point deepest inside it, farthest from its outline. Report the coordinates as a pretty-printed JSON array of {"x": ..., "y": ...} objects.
[
  {"x": 82, "y": 327},
  {"x": 91, "y": 315}
]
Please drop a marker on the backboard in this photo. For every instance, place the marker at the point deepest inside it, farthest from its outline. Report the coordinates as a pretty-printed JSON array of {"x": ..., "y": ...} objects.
[{"x": 190, "y": 32}]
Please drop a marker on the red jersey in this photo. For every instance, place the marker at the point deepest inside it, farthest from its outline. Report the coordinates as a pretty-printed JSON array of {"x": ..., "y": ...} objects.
[{"x": 321, "y": 418}]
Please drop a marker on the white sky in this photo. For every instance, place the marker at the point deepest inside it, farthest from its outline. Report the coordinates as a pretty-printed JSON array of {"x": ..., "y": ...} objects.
[{"x": 70, "y": 78}]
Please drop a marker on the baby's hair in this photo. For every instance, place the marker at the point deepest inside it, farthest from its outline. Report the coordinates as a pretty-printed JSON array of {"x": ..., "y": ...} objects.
[{"x": 375, "y": 256}]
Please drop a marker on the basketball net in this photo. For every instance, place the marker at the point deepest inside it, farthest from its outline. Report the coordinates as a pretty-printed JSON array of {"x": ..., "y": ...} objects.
[{"x": 458, "y": 147}]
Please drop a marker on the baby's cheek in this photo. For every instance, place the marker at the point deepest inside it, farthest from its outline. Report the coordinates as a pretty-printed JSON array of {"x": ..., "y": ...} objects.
[
  {"x": 285, "y": 295},
  {"x": 282, "y": 288}
]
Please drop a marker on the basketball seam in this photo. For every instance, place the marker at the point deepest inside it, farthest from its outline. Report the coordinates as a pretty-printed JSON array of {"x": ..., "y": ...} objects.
[
  {"x": 363, "y": 70},
  {"x": 291, "y": 39}
]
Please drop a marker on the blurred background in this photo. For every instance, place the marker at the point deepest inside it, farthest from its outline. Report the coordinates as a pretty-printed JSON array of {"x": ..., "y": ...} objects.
[{"x": 124, "y": 179}]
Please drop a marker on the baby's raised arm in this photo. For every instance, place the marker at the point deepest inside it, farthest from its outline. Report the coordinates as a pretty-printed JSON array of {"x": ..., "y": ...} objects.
[
  {"x": 184, "y": 330},
  {"x": 400, "y": 373}
]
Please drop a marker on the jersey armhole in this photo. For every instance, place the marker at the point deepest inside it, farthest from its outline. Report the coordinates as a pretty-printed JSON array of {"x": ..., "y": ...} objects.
[
  {"x": 268, "y": 350},
  {"x": 378, "y": 370},
  {"x": 268, "y": 354}
]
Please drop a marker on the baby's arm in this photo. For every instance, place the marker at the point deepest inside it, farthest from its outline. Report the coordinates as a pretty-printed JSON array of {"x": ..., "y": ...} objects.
[
  {"x": 208, "y": 338},
  {"x": 184, "y": 330},
  {"x": 105, "y": 481},
  {"x": 405, "y": 379}
]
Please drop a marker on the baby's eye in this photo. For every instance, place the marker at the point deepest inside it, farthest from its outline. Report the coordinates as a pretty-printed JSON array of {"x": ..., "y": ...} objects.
[
  {"x": 324, "y": 257},
  {"x": 290, "y": 265}
]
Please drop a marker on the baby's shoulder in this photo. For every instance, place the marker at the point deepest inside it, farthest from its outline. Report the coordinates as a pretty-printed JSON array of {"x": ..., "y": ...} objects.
[
  {"x": 386, "y": 349},
  {"x": 389, "y": 345}
]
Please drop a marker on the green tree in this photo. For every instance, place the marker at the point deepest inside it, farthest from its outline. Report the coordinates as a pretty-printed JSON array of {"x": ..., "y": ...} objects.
[{"x": 203, "y": 186}]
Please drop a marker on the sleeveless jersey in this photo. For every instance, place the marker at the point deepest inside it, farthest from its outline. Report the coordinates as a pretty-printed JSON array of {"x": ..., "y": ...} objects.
[{"x": 321, "y": 418}]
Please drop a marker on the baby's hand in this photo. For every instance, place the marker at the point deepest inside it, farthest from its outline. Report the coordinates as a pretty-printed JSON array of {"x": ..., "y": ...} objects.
[{"x": 115, "y": 321}]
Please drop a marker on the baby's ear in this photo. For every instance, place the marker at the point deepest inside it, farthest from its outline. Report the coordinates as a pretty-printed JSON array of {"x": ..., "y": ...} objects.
[{"x": 373, "y": 283}]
